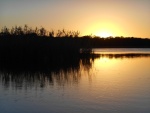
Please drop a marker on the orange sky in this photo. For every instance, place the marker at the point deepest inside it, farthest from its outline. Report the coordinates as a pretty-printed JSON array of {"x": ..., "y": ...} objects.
[{"x": 97, "y": 17}]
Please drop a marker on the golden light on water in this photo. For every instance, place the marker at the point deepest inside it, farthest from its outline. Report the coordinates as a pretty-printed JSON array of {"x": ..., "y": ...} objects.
[{"x": 105, "y": 63}]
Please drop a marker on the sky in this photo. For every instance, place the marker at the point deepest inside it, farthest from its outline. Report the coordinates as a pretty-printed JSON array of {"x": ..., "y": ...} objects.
[{"x": 128, "y": 18}]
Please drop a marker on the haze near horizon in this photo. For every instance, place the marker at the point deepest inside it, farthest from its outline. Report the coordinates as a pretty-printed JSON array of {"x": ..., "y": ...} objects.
[{"x": 128, "y": 18}]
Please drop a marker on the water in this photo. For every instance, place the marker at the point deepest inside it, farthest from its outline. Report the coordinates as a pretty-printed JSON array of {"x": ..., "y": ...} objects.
[
  {"x": 121, "y": 50},
  {"x": 108, "y": 83}
]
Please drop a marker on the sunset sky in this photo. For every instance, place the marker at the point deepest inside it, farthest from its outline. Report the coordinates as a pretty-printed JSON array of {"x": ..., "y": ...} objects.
[{"x": 97, "y": 17}]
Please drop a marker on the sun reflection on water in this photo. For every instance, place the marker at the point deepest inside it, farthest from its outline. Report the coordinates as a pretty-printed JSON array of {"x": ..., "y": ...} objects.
[{"x": 102, "y": 84}]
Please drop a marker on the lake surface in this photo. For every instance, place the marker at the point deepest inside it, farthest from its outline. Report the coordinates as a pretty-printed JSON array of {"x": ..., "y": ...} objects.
[{"x": 114, "y": 81}]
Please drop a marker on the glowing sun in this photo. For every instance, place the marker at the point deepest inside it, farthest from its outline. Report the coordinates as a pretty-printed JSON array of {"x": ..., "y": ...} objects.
[{"x": 103, "y": 34}]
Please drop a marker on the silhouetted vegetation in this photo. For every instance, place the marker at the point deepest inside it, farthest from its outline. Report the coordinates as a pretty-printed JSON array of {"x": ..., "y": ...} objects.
[
  {"x": 65, "y": 39},
  {"x": 24, "y": 44}
]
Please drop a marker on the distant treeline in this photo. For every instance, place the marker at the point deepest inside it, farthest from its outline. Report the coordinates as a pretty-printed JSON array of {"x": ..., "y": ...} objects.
[{"x": 63, "y": 39}]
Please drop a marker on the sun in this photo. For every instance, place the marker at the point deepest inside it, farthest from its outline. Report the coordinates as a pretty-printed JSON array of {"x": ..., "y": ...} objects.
[{"x": 103, "y": 34}]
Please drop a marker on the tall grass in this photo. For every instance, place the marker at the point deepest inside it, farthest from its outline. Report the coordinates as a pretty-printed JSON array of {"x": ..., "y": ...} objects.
[{"x": 28, "y": 31}]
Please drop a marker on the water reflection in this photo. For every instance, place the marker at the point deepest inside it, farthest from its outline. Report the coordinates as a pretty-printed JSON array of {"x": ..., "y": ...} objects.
[
  {"x": 58, "y": 71},
  {"x": 107, "y": 83},
  {"x": 61, "y": 71}
]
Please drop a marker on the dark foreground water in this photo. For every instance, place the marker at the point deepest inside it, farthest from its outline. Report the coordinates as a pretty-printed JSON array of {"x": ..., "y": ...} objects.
[{"x": 117, "y": 81}]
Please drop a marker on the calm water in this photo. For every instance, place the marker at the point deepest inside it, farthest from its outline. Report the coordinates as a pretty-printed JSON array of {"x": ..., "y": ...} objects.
[{"x": 117, "y": 81}]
